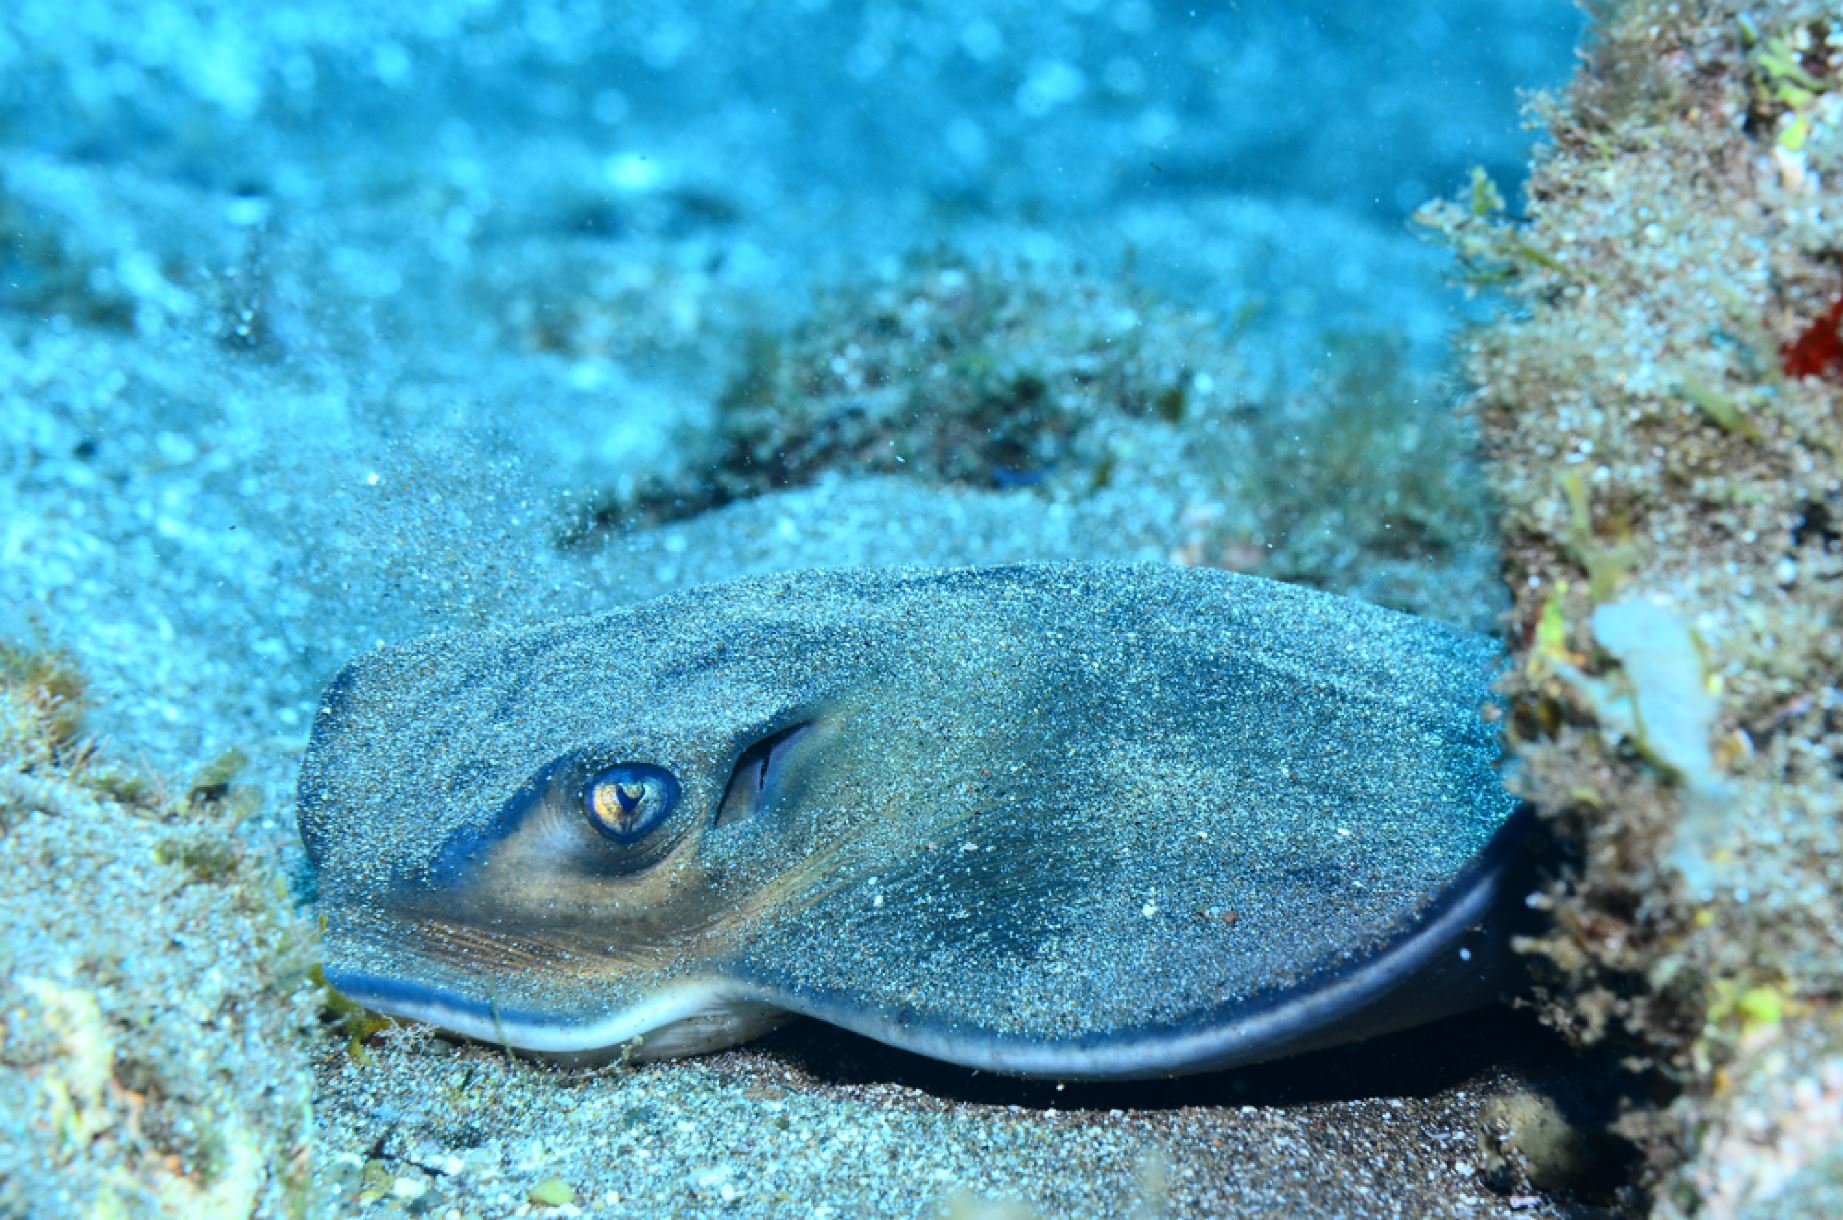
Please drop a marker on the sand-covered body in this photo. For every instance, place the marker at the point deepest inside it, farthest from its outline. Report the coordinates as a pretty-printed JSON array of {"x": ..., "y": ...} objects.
[{"x": 1083, "y": 820}]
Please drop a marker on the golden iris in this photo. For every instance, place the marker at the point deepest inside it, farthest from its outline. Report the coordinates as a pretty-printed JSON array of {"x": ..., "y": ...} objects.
[{"x": 626, "y": 801}]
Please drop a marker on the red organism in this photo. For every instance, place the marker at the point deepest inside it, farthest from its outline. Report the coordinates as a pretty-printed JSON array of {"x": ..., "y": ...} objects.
[{"x": 1818, "y": 352}]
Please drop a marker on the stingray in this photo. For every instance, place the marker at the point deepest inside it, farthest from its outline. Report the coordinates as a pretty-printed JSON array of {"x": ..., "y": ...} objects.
[{"x": 1071, "y": 820}]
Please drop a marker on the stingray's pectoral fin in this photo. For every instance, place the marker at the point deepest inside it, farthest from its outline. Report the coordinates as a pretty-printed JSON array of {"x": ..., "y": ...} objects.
[{"x": 1455, "y": 956}]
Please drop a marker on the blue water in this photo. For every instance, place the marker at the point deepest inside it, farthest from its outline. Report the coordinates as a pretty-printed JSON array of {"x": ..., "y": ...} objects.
[{"x": 324, "y": 322}]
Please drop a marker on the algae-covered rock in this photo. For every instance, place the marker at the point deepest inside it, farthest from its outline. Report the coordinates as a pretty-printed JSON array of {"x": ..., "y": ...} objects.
[
  {"x": 1662, "y": 411},
  {"x": 153, "y": 1000},
  {"x": 992, "y": 374},
  {"x": 1075, "y": 395},
  {"x": 976, "y": 375}
]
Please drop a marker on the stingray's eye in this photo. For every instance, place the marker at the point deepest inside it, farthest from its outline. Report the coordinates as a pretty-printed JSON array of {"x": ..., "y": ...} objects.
[{"x": 627, "y": 800}]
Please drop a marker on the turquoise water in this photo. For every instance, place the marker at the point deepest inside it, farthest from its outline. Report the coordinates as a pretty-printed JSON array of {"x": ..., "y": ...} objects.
[{"x": 325, "y": 322}]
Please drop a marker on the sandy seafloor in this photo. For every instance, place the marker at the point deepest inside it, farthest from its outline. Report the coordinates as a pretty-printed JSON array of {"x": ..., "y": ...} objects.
[{"x": 281, "y": 291}]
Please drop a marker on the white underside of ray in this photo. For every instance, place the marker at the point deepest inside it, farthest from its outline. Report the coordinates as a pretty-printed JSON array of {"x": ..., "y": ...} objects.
[{"x": 689, "y": 1019}]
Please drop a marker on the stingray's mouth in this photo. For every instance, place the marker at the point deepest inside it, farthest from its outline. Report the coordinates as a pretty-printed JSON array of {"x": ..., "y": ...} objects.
[
  {"x": 684, "y": 1018},
  {"x": 531, "y": 1029},
  {"x": 536, "y": 995}
]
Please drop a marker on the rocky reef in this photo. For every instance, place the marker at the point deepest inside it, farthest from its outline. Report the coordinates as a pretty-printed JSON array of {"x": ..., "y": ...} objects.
[{"x": 1661, "y": 408}]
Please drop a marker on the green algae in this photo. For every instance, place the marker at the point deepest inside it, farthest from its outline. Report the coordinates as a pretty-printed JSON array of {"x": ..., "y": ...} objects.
[
  {"x": 1723, "y": 410},
  {"x": 358, "y": 1023},
  {"x": 1760, "y": 1006},
  {"x": 47, "y": 690},
  {"x": 213, "y": 782},
  {"x": 1492, "y": 250},
  {"x": 551, "y": 1192},
  {"x": 1606, "y": 563}
]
